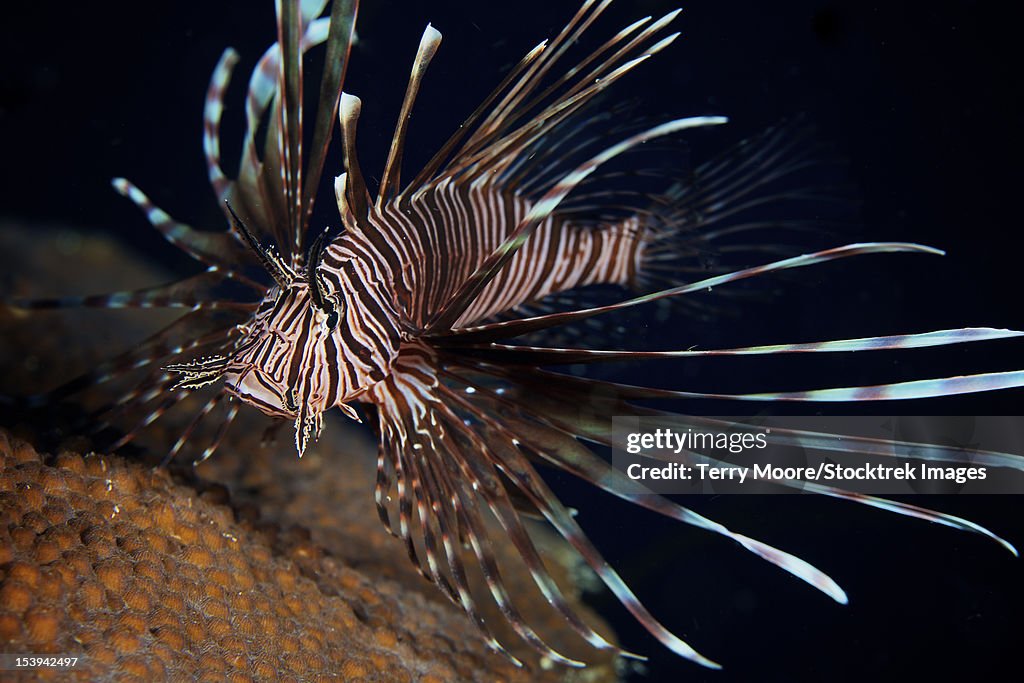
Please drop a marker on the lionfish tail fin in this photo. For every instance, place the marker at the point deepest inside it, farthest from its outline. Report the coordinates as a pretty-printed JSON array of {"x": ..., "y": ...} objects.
[{"x": 765, "y": 196}]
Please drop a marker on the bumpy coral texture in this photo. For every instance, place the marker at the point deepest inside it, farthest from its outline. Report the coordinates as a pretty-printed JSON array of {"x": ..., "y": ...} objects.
[
  {"x": 148, "y": 579},
  {"x": 261, "y": 567}
]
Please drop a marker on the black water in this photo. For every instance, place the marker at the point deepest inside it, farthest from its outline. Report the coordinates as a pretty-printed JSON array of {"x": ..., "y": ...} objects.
[{"x": 920, "y": 99}]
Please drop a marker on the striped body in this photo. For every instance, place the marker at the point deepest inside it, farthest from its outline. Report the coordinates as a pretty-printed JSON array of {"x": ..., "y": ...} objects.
[{"x": 436, "y": 239}]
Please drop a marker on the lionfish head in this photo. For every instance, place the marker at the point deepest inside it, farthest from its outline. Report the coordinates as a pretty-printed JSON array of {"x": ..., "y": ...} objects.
[{"x": 293, "y": 359}]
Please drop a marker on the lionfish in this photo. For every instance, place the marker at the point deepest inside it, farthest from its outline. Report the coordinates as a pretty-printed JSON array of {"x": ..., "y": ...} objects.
[{"x": 411, "y": 309}]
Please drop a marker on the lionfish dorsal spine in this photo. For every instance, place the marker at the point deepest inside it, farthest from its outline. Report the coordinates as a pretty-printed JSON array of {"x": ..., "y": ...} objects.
[
  {"x": 272, "y": 263},
  {"x": 342, "y": 24},
  {"x": 391, "y": 179},
  {"x": 356, "y": 194},
  {"x": 420, "y": 184},
  {"x": 290, "y": 30}
]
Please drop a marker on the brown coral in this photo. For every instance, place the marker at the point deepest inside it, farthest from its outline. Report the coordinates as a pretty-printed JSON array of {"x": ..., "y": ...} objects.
[{"x": 146, "y": 580}]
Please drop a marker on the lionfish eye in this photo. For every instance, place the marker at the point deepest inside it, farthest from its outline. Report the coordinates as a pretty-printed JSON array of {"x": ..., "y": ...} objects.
[{"x": 332, "y": 319}]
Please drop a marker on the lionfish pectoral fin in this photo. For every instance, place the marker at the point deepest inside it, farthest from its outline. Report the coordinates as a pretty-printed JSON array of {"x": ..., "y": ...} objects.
[
  {"x": 602, "y": 400},
  {"x": 505, "y": 450},
  {"x": 908, "y": 510},
  {"x": 537, "y": 355},
  {"x": 448, "y": 496},
  {"x": 520, "y": 501},
  {"x": 217, "y": 249},
  {"x": 894, "y": 506},
  {"x": 555, "y": 444},
  {"x": 902, "y": 391},
  {"x": 193, "y": 293},
  {"x": 560, "y": 449}
]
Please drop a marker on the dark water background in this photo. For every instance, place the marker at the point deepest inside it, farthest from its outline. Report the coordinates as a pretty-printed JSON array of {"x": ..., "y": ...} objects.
[{"x": 919, "y": 98}]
